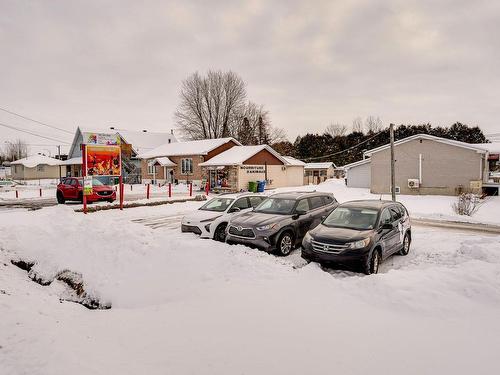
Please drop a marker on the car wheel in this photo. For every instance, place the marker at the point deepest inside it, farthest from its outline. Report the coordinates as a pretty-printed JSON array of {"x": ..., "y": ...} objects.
[
  {"x": 60, "y": 198},
  {"x": 220, "y": 232},
  {"x": 406, "y": 245},
  {"x": 285, "y": 244},
  {"x": 372, "y": 263}
]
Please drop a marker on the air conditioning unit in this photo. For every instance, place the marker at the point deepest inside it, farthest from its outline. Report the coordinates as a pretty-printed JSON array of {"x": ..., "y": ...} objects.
[{"x": 413, "y": 183}]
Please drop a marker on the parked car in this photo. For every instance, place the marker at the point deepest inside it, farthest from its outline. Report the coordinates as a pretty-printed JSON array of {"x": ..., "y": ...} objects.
[
  {"x": 210, "y": 220},
  {"x": 71, "y": 189},
  {"x": 360, "y": 234},
  {"x": 280, "y": 222},
  {"x": 6, "y": 185}
]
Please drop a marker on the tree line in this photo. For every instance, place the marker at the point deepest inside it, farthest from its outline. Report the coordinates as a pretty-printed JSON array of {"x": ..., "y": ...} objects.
[{"x": 215, "y": 105}]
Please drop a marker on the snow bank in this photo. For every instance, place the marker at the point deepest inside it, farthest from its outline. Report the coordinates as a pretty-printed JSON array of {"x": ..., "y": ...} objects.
[{"x": 183, "y": 305}]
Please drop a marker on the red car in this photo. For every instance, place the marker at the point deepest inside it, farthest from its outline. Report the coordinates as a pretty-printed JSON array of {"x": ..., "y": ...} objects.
[{"x": 71, "y": 189}]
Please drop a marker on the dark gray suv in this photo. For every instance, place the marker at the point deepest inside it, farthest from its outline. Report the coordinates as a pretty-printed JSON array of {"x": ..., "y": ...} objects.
[{"x": 281, "y": 221}]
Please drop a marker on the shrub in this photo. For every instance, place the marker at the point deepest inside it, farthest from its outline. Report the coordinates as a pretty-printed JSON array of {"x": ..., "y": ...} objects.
[{"x": 467, "y": 204}]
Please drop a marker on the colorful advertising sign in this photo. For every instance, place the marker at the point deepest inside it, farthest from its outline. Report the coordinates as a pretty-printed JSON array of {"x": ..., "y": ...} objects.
[
  {"x": 103, "y": 160},
  {"x": 87, "y": 185},
  {"x": 105, "y": 139}
]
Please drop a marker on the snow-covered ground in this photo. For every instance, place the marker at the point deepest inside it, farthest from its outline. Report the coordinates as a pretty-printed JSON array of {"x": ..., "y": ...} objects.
[{"x": 182, "y": 305}]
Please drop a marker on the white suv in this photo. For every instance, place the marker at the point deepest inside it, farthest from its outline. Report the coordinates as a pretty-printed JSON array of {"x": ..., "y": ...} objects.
[{"x": 210, "y": 220}]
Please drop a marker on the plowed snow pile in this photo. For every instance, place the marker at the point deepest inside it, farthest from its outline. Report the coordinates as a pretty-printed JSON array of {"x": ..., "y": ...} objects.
[{"x": 181, "y": 305}]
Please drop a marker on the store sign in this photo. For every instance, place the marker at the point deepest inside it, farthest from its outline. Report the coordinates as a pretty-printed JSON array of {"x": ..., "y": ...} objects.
[
  {"x": 87, "y": 185},
  {"x": 254, "y": 168},
  {"x": 106, "y": 139},
  {"x": 103, "y": 160}
]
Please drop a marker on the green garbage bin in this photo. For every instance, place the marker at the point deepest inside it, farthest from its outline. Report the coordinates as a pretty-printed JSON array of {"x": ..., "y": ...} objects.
[{"x": 252, "y": 186}]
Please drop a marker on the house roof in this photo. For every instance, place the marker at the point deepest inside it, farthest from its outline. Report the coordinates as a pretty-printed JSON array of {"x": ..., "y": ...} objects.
[
  {"x": 164, "y": 162},
  {"x": 34, "y": 160},
  {"x": 141, "y": 141},
  {"x": 201, "y": 147},
  {"x": 319, "y": 165},
  {"x": 357, "y": 163},
  {"x": 72, "y": 161},
  {"x": 238, "y": 155},
  {"x": 294, "y": 162},
  {"x": 451, "y": 142}
]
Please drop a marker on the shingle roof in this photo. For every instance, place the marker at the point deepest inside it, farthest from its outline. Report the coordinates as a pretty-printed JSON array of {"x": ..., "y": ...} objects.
[
  {"x": 201, "y": 147},
  {"x": 238, "y": 155}
]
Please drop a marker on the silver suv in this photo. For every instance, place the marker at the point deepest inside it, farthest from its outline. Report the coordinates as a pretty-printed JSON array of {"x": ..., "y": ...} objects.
[{"x": 280, "y": 222}]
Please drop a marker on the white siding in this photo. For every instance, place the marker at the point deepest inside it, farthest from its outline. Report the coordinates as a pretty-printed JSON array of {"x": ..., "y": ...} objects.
[{"x": 359, "y": 176}]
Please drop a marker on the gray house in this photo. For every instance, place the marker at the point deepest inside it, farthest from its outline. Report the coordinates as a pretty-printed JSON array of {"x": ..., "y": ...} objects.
[{"x": 425, "y": 164}]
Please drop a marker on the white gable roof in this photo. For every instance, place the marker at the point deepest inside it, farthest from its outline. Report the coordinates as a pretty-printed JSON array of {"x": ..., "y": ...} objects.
[
  {"x": 201, "y": 147},
  {"x": 34, "y": 160},
  {"x": 356, "y": 163},
  {"x": 318, "y": 165},
  {"x": 451, "y": 142},
  {"x": 292, "y": 161},
  {"x": 164, "y": 162},
  {"x": 239, "y": 154}
]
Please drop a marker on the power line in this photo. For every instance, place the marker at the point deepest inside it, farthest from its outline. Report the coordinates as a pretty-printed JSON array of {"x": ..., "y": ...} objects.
[
  {"x": 347, "y": 149},
  {"x": 38, "y": 122},
  {"x": 35, "y": 134}
]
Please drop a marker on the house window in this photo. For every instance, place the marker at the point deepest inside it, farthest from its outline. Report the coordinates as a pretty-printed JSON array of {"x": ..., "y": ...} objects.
[
  {"x": 151, "y": 169},
  {"x": 187, "y": 166},
  {"x": 40, "y": 168}
]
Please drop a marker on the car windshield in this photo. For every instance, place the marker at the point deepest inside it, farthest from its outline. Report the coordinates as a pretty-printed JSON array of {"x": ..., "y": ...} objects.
[
  {"x": 278, "y": 206},
  {"x": 352, "y": 218},
  {"x": 217, "y": 204}
]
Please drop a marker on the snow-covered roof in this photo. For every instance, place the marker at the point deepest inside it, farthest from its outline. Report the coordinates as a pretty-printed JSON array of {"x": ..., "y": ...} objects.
[
  {"x": 451, "y": 142},
  {"x": 34, "y": 160},
  {"x": 293, "y": 162},
  {"x": 319, "y": 165},
  {"x": 164, "y": 162},
  {"x": 492, "y": 148},
  {"x": 357, "y": 163},
  {"x": 141, "y": 141},
  {"x": 146, "y": 141},
  {"x": 73, "y": 161},
  {"x": 238, "y": 155},
  {"x": 201, "y": 147}
]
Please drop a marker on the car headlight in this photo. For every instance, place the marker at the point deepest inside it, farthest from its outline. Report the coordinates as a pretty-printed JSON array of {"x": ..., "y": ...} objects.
[
  {"x": 359, "y": 244},
  {"x": 307, "y": 238},
  {"x": 267, "y": 227}
]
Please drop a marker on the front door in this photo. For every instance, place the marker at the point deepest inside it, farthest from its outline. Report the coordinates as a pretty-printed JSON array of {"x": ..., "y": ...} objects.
[{"x": 389, "y": 236}]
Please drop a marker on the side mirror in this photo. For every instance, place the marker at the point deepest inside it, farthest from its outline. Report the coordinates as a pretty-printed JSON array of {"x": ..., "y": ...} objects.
[
  {"x": 300, "y": 212},
  {"x": 387, "y": 226},
  {"x": 235, "y": 209},
  {"x": 323, "y": 217}
]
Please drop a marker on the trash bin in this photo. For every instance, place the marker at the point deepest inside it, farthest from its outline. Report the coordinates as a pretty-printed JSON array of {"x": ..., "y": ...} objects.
[
  {"x": 261, "y": 185},
  {"x": 252, "y": 186}
]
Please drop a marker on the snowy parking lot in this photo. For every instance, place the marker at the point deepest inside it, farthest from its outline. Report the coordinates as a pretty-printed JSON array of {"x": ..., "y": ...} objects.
[{"x": 183, "y": 305}]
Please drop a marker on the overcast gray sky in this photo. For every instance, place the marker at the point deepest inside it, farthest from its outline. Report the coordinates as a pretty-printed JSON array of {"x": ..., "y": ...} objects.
[{"x": 121, "y": 63}]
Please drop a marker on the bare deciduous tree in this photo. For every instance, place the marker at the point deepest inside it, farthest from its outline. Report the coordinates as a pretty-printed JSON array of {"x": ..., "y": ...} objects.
[
  {"x": 373, "y": 124},
  {"x": 210, "y": 105},
  {"x": 15, "y": 150},
  {"x": 336, "y": 129},
  {"x": 357, "y": 125},
  {"x": 255, "y": 126}
]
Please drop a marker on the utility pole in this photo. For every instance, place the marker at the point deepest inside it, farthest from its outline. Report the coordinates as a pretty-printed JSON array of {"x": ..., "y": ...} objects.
[{"x": 393, "y": 177}]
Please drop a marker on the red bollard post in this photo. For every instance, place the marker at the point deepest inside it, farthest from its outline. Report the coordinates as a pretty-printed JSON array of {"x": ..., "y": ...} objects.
[
  {"x": 170, "y": 190},
  {"x": 122, "y": 190},
  {"x": 40, "y": 192},
  {"x": 147, "y": 191},
  {"x": 17, "y": 194},
  {"x": 207, "y": 188},
  {"x": 191, "y": 189}
]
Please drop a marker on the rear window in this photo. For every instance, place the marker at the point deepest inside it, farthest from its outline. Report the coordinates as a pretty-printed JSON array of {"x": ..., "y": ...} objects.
[{"x": 316, "y": 202}]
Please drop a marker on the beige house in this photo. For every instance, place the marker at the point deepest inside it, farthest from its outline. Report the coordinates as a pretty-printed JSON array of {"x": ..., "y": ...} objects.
[
  {"x": 315, "y": 173},
  {"x": 36, "y": 167},
  {"x": 234, "y": 169},
  {"x": 425, "y": 164}
]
